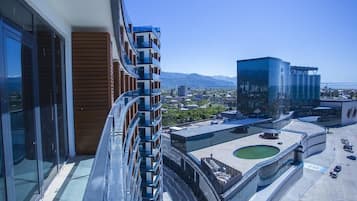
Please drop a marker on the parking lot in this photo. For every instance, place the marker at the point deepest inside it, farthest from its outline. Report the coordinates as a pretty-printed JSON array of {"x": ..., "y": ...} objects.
[{"x": 316, "y": 184}]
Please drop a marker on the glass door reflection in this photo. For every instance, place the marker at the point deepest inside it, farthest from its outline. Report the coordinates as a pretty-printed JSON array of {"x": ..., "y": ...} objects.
[
  {"x": 47, "y": 100},
  {"x": 20, "y": 107}
]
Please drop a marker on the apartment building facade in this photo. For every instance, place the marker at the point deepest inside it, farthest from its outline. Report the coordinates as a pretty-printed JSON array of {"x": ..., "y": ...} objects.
[
  {"x": 71, "y": 85},
  {"x": 148, "y": 47}
]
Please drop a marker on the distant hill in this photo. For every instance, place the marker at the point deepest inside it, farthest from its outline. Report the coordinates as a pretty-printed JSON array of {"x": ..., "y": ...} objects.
[
  {"x": 172, "y": 80},
  {"x": 226, "y": 78}
]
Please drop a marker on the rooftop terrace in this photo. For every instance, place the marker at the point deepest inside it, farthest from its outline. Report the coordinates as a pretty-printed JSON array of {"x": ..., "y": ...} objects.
[{"x": 194, "y": 131}]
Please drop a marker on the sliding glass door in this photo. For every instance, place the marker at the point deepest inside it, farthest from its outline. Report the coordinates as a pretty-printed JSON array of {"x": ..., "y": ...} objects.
[
  {"x": 33, "y": 124},
  {"x": 47, "y": 98},
  {"x": 60, "y": 92},
  {"x": 18, "y": 119}
]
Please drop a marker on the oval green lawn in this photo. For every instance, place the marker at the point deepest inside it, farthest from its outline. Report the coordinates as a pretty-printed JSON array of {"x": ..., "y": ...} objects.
[{"x": 256, "y": 152}]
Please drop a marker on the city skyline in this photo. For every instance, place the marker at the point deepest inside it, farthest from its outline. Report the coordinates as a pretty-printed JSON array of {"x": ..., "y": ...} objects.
[{"x": 319, "y": 33}]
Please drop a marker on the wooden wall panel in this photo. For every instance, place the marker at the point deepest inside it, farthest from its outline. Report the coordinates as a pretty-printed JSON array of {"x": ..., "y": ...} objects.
[
  {"x": 116, "y": 80},
  {"x": 93, "y": 84}
]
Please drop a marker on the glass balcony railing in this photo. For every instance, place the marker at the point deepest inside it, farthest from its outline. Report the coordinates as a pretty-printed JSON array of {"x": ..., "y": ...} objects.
[
  {"x": 130, "y": 133},
  {"x": 150, "y": 92},
  {"x": 149, "y": 107},
  {"x": 148, "y": 76},
  {"x": 152, "y": 138},
  {"x": 153, "y": 196},
  {"x": 127, "y": 59},
  {"x": 150, "y": 60},
  {"x": 149, "y": 122},
  {"x": 154, "y": 167},
  {"x": 106, "y": 180},
  {"x": 148, "y": 44},
  {"x": 127, "y": 22},
  {"x": 128, "y": 64},
  {"x": 151, "y": 153},
  {"x": 155, "y": 181}
]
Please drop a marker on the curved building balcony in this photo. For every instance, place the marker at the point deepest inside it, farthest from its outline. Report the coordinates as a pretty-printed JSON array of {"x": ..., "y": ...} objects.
[
  {"x": 149, "y": 107},
  {"x": 152, "y": 196},
  {"x": 153, "y": 153},
  {"x": 130, "y": 134},
  {"x": 119, "y": 18},
  {"x": 148, "y": 76},
  {"x": 148, "y": 123},
  {"x": 128, "y": 25},
  {"x": 153, "y": 137},
  {"x": 108, "y": 167},
  {"x": 150, "y": 92},
  {"x": 149, "y": 61},
  {"x": 148, "y": 45},
  {"x": 155, "y": 30}
]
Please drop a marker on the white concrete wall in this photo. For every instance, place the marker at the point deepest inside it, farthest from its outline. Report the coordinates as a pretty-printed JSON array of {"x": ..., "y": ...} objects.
[
  {"x": 345, "y": 107},
  {"x": 51, "y": 16},
  {"x": 348, "y": 106}
]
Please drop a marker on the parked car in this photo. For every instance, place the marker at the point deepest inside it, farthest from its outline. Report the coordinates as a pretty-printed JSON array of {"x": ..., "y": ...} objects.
[
  {"x": 214, "y": 122},
  {"x": 351, "y": 157},
  {"x": 337, "y": 168},
  {"x": 344, "y": 141},
  {"x": 349, "y": 150},
  {"x": 333, "y": 174},
  {"x": 347, "y": 146}
]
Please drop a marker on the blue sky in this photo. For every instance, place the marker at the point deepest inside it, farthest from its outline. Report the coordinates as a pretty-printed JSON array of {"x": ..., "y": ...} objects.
[{"x": 208, "y": 36}]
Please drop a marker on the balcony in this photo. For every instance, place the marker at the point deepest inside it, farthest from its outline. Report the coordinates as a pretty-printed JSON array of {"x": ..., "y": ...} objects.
[
  {"x": 149, "y": 122},
  {"x": 95, "y": 178},
  {"x": 149, "y": 60},
  {"x": 151, "y": 153},
  {"x": 150, "y": 92},
  {"x": 148, "y": 76},
  {"x": 152, "y": 196},
  {"x": 155, "y": 30},
  {"x": 148, "y": 44},
  {"x": 128, "y": 65},
  {"x": 153, "y": 138},
  {"x": 155, "y": 182},
  {"x": 149, "y": 107},
  {"x": 70, "y": 184},
  {"x": 127, "y": 25},
  {"x": 104, "y": 181}
]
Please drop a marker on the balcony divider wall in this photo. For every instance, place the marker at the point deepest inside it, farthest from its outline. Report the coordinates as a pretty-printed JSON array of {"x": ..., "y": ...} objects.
[{"x": 92, "y": 87}]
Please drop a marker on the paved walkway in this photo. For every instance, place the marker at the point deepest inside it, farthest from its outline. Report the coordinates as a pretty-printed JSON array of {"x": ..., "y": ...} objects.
[
  {"x": 70, "y": 183},
  {"x": 316, "y": 184}
]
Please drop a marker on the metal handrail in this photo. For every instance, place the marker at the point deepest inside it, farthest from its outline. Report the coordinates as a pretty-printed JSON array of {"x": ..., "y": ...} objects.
[{"x": 105, "y": 180}]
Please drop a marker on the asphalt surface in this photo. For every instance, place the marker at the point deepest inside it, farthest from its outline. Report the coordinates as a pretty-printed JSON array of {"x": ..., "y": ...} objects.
[
  {"x": 176, "y": 187},
  {"x": 316, "y": 184}
]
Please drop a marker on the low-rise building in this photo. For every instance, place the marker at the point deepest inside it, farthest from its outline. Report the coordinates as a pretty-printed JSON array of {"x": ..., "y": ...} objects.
[{"x": 337, "y": 112}]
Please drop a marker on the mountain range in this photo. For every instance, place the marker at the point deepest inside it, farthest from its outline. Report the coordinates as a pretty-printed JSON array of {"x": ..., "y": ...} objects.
[{"x": 194, "y": 80}]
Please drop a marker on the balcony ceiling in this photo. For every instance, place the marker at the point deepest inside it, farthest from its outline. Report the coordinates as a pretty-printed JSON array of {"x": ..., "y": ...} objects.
[
  {"x": 81, "y": 15},
  {"x": 85, "y": 13}
]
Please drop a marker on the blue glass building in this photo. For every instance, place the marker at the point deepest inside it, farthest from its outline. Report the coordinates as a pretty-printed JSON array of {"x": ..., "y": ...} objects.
[
  {"x": 270, "y": 87},
  {"x": 263, "y": 87},
  {"x": 305, "y": 87}
]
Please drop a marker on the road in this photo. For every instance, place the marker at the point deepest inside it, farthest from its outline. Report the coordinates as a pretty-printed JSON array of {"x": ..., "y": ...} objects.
[
  {"x": 176, "y": 187},
  {"x": 316, "y": 184}
]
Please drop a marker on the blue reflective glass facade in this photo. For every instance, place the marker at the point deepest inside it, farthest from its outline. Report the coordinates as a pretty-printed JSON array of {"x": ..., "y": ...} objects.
[
  {"x": 305, "y": 87},
  {"x": 270, "y": 87},
  {"x": 263, "y": 87}
]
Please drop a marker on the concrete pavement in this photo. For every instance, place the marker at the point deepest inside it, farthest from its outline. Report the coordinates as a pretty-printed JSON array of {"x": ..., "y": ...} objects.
[{"x": 316, "y": 184}]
